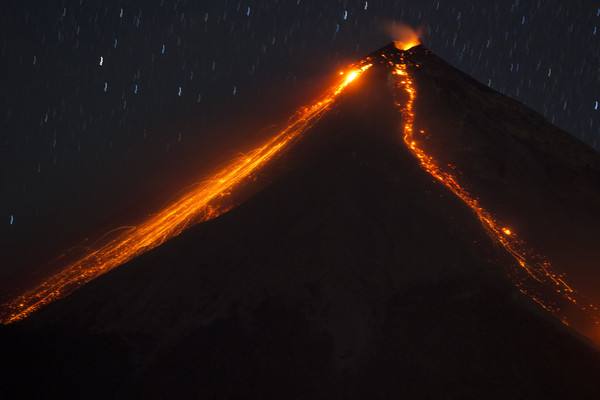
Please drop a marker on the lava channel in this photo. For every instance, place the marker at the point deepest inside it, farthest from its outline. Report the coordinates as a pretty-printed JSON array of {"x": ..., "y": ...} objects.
[
  {"x": 199, "y": 205},
  {"x": 536, "y": 279}
]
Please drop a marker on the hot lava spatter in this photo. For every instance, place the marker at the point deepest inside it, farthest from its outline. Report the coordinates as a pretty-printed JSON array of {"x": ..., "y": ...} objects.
[
  {"x": 535, "y": 277},
  {"x": 201, "y": 204}
]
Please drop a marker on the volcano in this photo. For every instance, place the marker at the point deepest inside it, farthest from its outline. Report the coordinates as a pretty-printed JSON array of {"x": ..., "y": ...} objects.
[{"x": 426, "y": 237}]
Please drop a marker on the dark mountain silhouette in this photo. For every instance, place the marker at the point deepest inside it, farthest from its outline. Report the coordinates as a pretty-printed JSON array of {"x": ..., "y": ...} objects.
[{"x": 350, "y": 274}]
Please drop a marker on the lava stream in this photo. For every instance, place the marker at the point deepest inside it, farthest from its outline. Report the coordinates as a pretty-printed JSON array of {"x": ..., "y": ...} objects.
[
  {"x": 539, "y": 279},
  {"x": 199, "y": 205}
]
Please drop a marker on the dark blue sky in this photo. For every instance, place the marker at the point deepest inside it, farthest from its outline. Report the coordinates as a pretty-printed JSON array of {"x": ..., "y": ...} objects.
[{"x": 108, "y": 103}]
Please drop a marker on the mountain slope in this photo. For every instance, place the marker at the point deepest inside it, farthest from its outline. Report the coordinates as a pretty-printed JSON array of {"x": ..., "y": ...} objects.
[
  {"x": 536, "y": 178},
  {"x": 352, "y": 274}
]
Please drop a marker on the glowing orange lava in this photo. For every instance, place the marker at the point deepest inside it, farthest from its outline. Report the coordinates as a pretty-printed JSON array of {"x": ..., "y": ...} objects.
[
  {"x": 536, "y": 268},
  {"x": 405, "y": 37},
  {"x": 201, "y": 204},
  {"x": 407, "y": 44}
]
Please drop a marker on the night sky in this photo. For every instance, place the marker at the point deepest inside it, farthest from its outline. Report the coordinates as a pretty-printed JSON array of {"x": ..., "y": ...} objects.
[{"x": 108, "y": 109}]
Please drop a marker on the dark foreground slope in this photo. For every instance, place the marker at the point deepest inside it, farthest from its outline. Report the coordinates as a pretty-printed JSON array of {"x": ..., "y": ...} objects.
[{"x": 352, "y": 275}]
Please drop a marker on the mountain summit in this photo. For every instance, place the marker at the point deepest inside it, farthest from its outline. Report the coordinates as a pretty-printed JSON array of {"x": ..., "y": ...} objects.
[{"x": 427, "y": 237}]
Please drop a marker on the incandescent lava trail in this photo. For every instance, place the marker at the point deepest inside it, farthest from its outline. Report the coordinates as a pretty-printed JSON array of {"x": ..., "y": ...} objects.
[
  {"x": 535, "y": 277},
  {"x": 200, "y": 204}
]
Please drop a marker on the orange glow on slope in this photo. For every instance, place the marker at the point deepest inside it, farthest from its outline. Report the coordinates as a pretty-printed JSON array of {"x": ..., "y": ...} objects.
[
  {"x": 350, "y": 77},
  {"x": 535, "y": 267},
  {"x": 199, "y": 205}
]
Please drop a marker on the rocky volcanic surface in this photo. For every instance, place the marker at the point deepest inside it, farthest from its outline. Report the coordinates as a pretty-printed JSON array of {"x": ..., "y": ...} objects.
[{"x": 352, "y": 274}]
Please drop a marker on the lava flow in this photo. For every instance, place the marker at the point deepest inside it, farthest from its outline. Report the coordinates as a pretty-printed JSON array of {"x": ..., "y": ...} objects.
[
  {"x": 199, "y": 205},
  {"x": 538, "y": 282}
]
